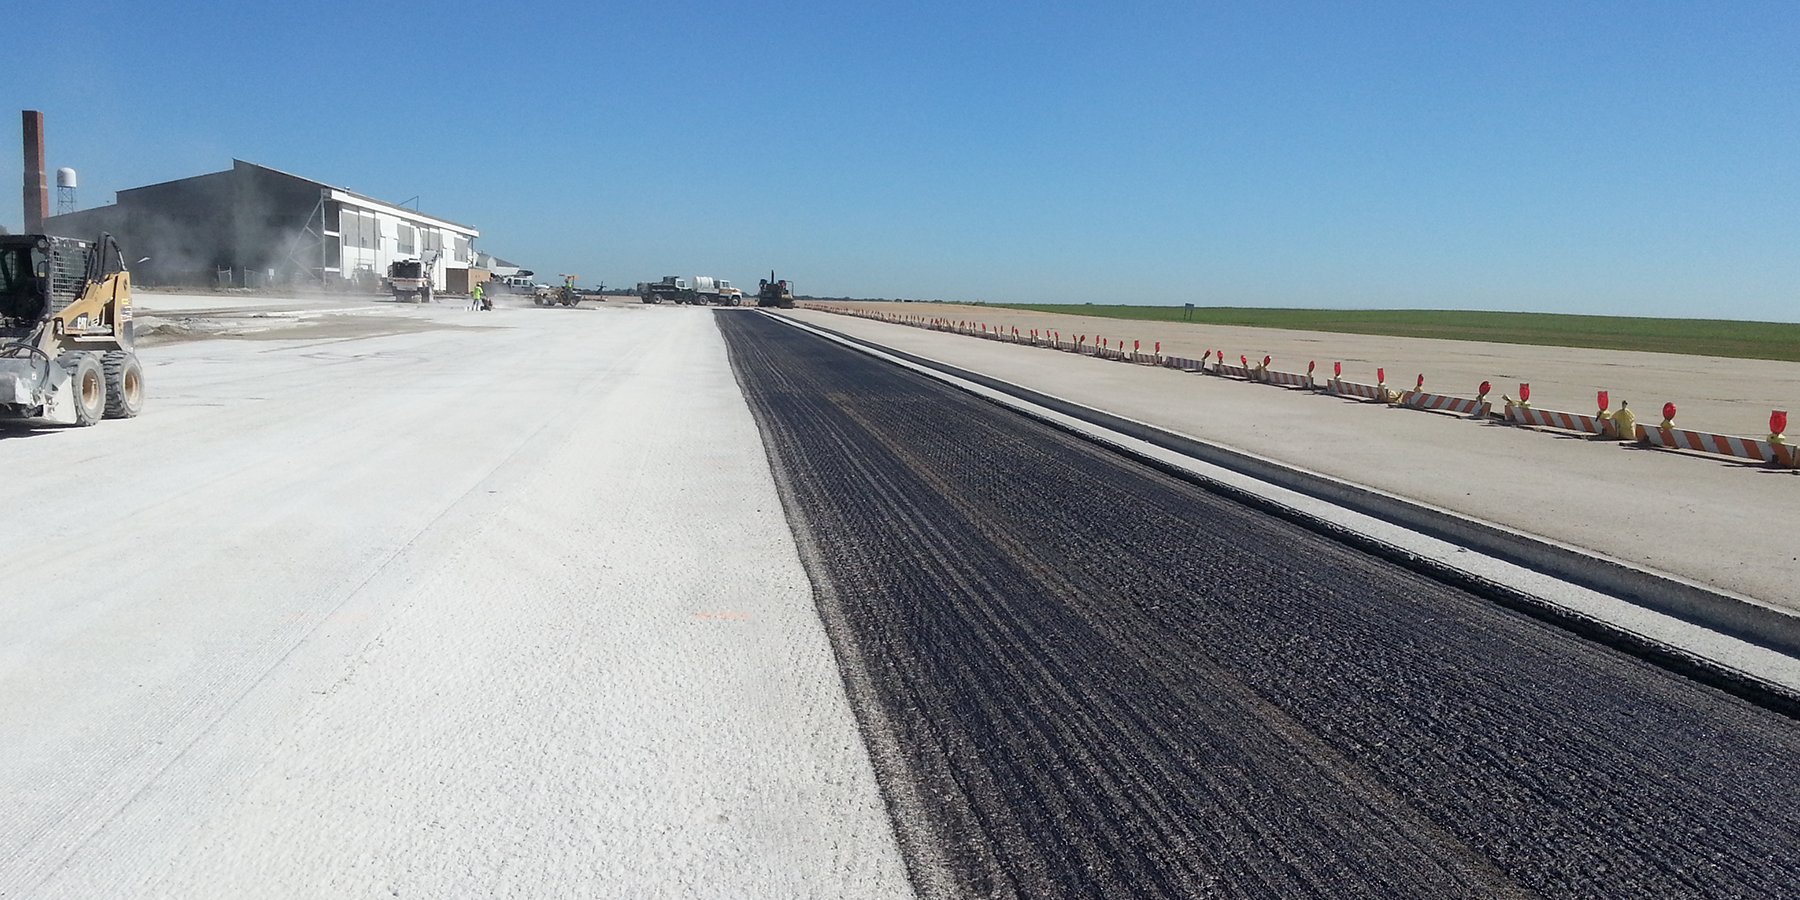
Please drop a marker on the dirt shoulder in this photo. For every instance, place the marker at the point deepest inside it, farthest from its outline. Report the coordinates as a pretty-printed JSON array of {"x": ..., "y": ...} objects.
[{"x": 1727, "y": 396}]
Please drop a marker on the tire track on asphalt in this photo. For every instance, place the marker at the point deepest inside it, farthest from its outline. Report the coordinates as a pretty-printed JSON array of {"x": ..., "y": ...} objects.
[{"x": 1101, "y": 681}]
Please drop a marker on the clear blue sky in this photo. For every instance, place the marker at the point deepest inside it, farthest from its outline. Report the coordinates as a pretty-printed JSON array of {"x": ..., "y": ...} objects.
[{"x": 1625, "y": 158}]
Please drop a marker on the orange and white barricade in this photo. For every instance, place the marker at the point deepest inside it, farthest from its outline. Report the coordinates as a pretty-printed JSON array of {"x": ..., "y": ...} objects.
[
  {"x": 1477, "y": 408},
  {"x": 1288, "y": 379},
  {"x": 1338, "y": 387},
  {"x": 1602, "y": 423},
  {"x": 1721, "y": 444},
  {"x": 1546, "y": 418},
  {"x": 1775, "y": 450},
  {"x": 1377, "y": 392}
]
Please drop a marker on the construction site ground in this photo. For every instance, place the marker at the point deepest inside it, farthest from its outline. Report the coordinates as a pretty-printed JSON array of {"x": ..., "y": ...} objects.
[
  {"x": 380, "y": 599},
  {"x": 386, "y": 599},
  {"x": 1719, "y": 522}
]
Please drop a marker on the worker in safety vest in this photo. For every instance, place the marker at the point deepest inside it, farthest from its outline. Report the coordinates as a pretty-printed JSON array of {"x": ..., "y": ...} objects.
[{"x": 478, "y": 298}]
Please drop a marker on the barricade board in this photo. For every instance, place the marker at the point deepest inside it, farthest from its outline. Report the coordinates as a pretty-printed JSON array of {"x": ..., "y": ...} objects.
[
  {"x": 1342, "y": 388},
  {"x": 1442, "y": 403},
  {"x": 1547, "y": 418},
  {"x": 1719, "y": 444},
  {"x": 1288, "y": 379}
]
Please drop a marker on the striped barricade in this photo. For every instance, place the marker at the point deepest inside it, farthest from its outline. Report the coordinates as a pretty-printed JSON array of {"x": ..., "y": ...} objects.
[
  {"x": 1341, "y": 388},
  {"x": 1479, "y": 409},
  {"x": 1287, "y": 379},
  {"x": 1545, "y": 418},
  {"x": 1721, "y": 444},
  {"x": 1243, "y": 372}
]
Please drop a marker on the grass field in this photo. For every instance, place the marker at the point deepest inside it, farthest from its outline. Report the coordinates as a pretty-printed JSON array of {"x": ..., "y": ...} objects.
[{"x": 1699, "y": 337}]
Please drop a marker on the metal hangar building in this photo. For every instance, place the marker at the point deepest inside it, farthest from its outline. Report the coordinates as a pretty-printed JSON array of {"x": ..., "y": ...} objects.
[{"x": 253, "y": 226}]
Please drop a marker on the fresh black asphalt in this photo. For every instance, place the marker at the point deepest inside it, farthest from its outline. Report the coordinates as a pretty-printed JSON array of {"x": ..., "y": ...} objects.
[{"x": 1080, "y": 677}]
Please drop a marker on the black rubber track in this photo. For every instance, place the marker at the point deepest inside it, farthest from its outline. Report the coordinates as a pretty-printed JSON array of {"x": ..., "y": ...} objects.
[{"x": 1083, "y": 678}]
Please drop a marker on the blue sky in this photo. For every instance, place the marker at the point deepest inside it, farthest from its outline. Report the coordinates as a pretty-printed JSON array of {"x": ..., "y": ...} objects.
[{"x": 1623, "y": 158}]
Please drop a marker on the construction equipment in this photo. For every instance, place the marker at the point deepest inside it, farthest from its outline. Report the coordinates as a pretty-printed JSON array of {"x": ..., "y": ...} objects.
[
  {"x": 410, "y": 279},
  {"x": 775, "y": 293},
  {"x": 562, "y": 296},
  {"x": 728, "y": 295},
  {"x": 705, "y": 290},
  {"x": 669, "y": 289},
  {"x": 66, "y": 347}
]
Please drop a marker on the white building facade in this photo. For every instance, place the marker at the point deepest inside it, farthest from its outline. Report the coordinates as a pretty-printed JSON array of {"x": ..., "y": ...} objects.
[{"x": 371, "y": 234}]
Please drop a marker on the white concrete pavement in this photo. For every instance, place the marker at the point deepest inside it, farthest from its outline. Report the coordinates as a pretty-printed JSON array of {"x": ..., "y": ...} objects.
[{"x": 432, "y": 610}]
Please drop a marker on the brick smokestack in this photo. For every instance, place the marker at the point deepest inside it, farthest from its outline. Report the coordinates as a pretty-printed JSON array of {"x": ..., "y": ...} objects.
[{"x": 37, "y": 190}]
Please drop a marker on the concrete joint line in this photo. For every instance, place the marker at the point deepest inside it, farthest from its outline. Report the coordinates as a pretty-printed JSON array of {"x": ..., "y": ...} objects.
[{"x": 1733, "y": 642}]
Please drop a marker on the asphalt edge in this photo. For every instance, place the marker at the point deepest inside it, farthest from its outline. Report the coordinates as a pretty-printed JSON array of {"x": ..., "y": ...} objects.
[
  {"x": 914, "y": 832},
  {"x": 1738, "y": 617}
]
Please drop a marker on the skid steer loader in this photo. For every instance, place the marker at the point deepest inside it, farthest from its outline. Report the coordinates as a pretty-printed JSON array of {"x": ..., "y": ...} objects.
[{"x": 66, "y": 353}]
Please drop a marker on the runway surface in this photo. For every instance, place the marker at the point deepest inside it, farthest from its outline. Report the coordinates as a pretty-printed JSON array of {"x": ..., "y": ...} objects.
[
  {"x": 412, "y": 601},
  {"x": 1082, "y": 678}
]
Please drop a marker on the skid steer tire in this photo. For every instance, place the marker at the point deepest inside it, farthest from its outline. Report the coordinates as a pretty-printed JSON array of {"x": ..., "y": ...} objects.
[
  {"x": 87, "y": 380},
  {"x": 124, "y": 384}
]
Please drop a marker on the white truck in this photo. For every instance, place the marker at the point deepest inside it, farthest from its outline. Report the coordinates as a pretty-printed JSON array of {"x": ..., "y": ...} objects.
[
  {"x": 704, "y": 289},
  {"x": 728, "y": 295},
  {"x": 699, "y": 290}
]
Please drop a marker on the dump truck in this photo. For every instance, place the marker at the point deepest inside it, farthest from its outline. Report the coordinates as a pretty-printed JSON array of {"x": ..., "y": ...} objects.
[
  {"x": 66, "y": 341},
  {"x": 669, "y": 288},
  {"x": 700, "y": 289},
  {"x": 775, "y": 293}
]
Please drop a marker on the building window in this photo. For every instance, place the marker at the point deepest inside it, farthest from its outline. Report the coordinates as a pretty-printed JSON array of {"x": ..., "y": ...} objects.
[
  {"x": 359, "y": 230},
  {"x": 405, "y": 237},
  {"x": 462, "y": 248}
]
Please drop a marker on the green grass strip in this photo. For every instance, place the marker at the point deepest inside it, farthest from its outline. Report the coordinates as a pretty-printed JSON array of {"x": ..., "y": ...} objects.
[{"x": 1696, "y": 337}]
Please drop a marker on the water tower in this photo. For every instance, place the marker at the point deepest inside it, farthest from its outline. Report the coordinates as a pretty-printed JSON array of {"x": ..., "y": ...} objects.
[{"x": 65, "y": 191}]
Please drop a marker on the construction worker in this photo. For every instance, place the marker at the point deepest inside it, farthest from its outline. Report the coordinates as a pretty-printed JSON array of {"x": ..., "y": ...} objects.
[{"x": 478, "y": 298}]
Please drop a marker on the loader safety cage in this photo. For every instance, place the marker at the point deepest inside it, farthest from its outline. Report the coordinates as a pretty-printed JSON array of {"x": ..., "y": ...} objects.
[{"x": 62, "y": 264}]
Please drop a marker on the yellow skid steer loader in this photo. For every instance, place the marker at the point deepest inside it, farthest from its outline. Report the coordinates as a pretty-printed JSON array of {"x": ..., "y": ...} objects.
[{"x": 66, "y": 353}]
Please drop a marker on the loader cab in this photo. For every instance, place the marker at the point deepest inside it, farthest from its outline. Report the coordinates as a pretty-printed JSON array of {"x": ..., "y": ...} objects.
[
  {"x": 24, "y": 286},
  {"x": 41, "y": 274}
]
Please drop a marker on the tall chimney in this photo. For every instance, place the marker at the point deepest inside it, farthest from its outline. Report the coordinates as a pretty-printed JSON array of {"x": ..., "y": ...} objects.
[{"x": 37, "y": 190}]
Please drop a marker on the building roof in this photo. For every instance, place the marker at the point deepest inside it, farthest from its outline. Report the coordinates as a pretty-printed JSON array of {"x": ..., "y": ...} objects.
[{"x": 238, "y": 165}]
